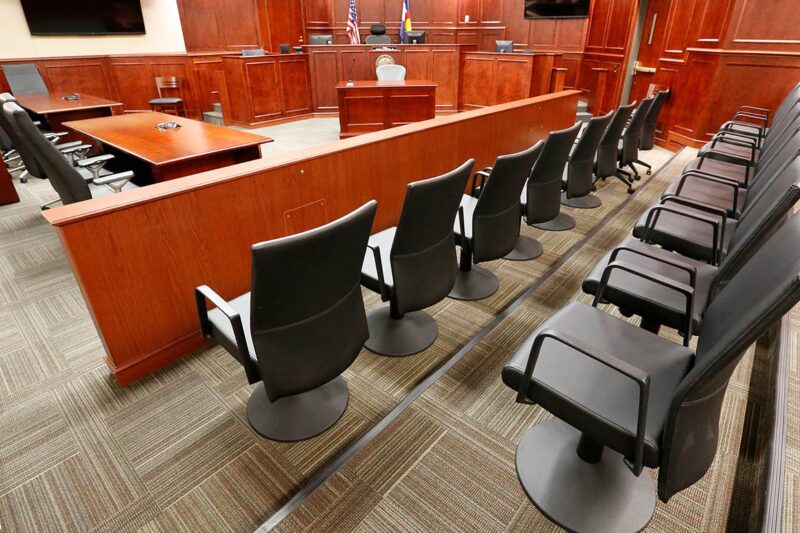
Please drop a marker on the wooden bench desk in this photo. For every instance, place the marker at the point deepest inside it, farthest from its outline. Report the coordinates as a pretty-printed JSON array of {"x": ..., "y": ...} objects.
[
  {"x": 367, "y": 106},
  {"x": 158, "y": 155},
  {"x": 53, "y": 108}
]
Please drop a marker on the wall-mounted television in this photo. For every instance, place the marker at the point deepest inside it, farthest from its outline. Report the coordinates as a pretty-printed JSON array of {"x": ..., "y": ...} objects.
[
  {"x": 83, "y": 17},
  {"x": 558, "y": 9}
]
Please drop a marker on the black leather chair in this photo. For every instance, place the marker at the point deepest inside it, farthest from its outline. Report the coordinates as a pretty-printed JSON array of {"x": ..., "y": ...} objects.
[
  {"x": 300, "y": 327},
  {"x": 413, "y": 265},
  {"x": 541, "y": 199},
  {"x": 487, "y": 227},
  {"x": 378, "y": 35},
  {"x": 608, "y": 152},
  {"x": 626, "y": 400},
  {"x": 659, "y": 286},
  {"x": 648, "y": 140},
  {"x": 631, "y": 138},
  {"x": 579, "y": 174},
  {"x": 67, "y": 181},
  {"x": 24, "y": 78}
]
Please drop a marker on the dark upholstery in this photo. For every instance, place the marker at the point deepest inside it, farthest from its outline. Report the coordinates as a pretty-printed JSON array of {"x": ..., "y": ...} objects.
[
  {"x": 305, "y": 287},
  {"x": 629, "y": 151},
  {"x": 607, "y": 152},
  {"x": 579, "y": 179},
  {"x": 541, "y": 199},
  {"x": 9, "y": 125},
  {"x": 648, "y": 139},
  {"x": 24, "y": 78}
]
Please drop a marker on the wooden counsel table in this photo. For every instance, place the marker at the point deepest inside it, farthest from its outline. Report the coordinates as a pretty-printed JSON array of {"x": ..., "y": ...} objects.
[
  {"x": 8, "y": 194},
  {"x": 56, "y": 110},
  {"x": 158, "y": 155},
  {"x": 368, "y": 106}
]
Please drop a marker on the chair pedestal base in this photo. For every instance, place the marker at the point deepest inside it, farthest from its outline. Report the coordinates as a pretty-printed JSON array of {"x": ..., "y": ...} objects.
[
  {"x": 562, "y": 222},
  {"x": 576, "y": 495},
  {"x": 589, "y": 201},
  {"x": 398, "y": 338},
  {"x": 475, "y": 284},
  {"x": 526, "y": 249},
  {"x": 297, "y": 417}
]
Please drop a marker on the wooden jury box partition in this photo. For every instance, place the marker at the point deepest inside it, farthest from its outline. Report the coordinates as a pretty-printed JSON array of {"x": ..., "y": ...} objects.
[
  {"x": 367, "y": 106},
  {"x": 139, "y": 255}
]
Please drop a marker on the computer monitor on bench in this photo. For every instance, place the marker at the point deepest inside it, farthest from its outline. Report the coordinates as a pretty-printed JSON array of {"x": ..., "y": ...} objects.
[{"x": 415, "y": 37}]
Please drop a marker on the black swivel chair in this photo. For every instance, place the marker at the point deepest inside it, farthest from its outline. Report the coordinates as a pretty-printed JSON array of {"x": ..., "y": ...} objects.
[
  {"x": 579, "y": 174},
  {"x": 378, "y": 35},
  {"x": 625, "y": 399},
  {"x": 487, "y": 227},
  {"x": 608, "y": 151},
  {"x": 648, "y": 140},
  {"x": 24, "y": 78},
  {"x": 67, "y": 181},
  {"x": 413, "y": 265},
  {"x": 631, "y": 138},
  {"x": 541, "y": 201},
  {"x": 300, "y": 327}
]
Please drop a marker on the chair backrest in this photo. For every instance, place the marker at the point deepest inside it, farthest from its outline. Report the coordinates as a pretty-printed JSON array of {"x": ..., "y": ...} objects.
[
  {"x": 766, "y": 288},
  {"x": 377, "y": 29},
  {"x": 253, "y": 52},
  {"x": 648, "y": 140},
  {"x": 495, "y": 221},
  {"x": 64, "y": 178},
  {"x": 774, "y": 164},
  {"x": 786, "y": 104},
  {"x": 167, "y": 83},
  {"x": 24, "y": 78},
  {"x": 423, "y": 255},
  {"x": 761, "y": 216},
  {"x": 378, "y": 39},
  {"x": 543, "y": 196},
  {"x": 633, "y": 133},
  {"x": 307, "y": 316},
  {"x": 8, "y": 121},
  {"x": 391, "y": 73},
  {"x": 609, "y": 145},
  {"x": 580, "y": 166}
]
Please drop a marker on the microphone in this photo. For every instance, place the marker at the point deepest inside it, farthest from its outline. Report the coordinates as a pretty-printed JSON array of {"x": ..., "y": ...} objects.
[{"x": 350, "y": 74}]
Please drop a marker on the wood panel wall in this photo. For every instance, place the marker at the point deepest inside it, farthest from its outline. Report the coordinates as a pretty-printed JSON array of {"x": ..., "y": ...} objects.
[{"x": 150, "y": 319}]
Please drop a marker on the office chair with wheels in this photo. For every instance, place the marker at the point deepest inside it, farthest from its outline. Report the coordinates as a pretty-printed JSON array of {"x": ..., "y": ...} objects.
[
  {"x": 169, "y": 104},
  {"x": 607, "y": 153},
  {"x": 487, "y": 227},
  {"x": 391, "y": 73},
  {"x": 578, "y": 182},
  {"x": 413, "y": 265},
  {"x": 626, "y": 400},
  {"x": 378, "y": 35},
  {"x": 24, "y": 78},
  {"x": 301, "y": 326},
  {"x": 648, "y": 140},
  {"x": 631, "y": 138}
]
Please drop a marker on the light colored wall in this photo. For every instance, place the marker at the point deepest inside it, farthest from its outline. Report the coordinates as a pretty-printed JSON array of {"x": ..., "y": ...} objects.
[{"x": 161, "y": 21}]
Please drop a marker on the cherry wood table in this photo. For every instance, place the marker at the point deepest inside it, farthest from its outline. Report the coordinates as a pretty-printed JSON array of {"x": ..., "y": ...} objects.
[
  {"x": 157, "y": 155},
  {"x": 367, "y": 106},
  {"x": 53, "y": 108}
]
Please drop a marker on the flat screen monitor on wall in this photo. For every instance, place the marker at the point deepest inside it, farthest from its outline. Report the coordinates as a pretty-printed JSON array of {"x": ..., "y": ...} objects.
[
  {"x": 83, "y": 17},
  {"x": 545, "y": 9}
]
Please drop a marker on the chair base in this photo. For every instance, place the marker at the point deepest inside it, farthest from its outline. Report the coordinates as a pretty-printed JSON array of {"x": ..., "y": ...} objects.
[
  {"x": 475, "y": 284},
  {"x": 399, "y": 338},
  {"x": 589, "y": 201},
  {"x": 562, "y": 222},
  {"x": 576, "y": 495},
  {"x": 298, "y": 417},
  {"x": 526, "y": 249}
]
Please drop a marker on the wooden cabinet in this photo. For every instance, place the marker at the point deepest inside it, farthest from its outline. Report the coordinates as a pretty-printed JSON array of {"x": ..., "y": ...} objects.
[
  {"x": 490, "y": 78},
  {"x": 266, "y": 88},
  {"x": 369, "y": 106},
  {"x": 207, "y": 27}
]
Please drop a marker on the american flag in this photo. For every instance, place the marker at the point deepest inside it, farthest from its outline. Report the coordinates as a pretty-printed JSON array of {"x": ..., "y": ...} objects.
[{"x": 352, "y": 24}]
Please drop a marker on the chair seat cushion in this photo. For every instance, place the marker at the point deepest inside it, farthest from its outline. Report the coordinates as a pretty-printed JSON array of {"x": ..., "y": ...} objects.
[
  {"x": 223, "y": 332},
  {"x": 592, "y": 397},
  {"x": 710, "y": 193},
  {"x": 645, "y": 298},
  {"x": 369, "y": 271},
  {"x": 468, "y": 203},
  {"x": 719, "y": 168},
  {"x": 166, "y": 101},
  {"x": 686, "y": 236}
]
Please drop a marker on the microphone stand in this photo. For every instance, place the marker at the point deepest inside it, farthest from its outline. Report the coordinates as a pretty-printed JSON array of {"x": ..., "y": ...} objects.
[{"x": 350, "y": 74}]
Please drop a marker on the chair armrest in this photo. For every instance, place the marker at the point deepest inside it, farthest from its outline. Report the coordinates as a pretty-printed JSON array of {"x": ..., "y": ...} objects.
[
  {"x": 113, "y": 178},
  {"x": 11, "y": 158},
  {"x": 724, "y": 183},
  {"x": 72, "y": 144},
  {"x": 73, "y": 149},
  {"x": 682, "y": 288},
  {"x": 376, "y": 256},
  {"x": 52, "y": 135},
  {"x": 94, "y": 160},
  {"x": 765, "y": 111},
  {"x": 484, "y": 175},
  {"x": 690, "y": 269},
  {"x": 744, "y": 128},
  {"x": 641, "y": 378},
  {"x": 749, "y": 140},
  {"x": 203, "y": 293},
  {"x": 752, "y": 116},
  {"x": 461, "y": 223},
  {"x": 698, "y": 172},
  {"x": 652, "y": 220},
  {"x": 695, "y": 204}
]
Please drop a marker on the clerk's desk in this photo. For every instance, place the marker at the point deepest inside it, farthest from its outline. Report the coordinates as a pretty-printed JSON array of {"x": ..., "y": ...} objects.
[{"x": 367, "y": 106}]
